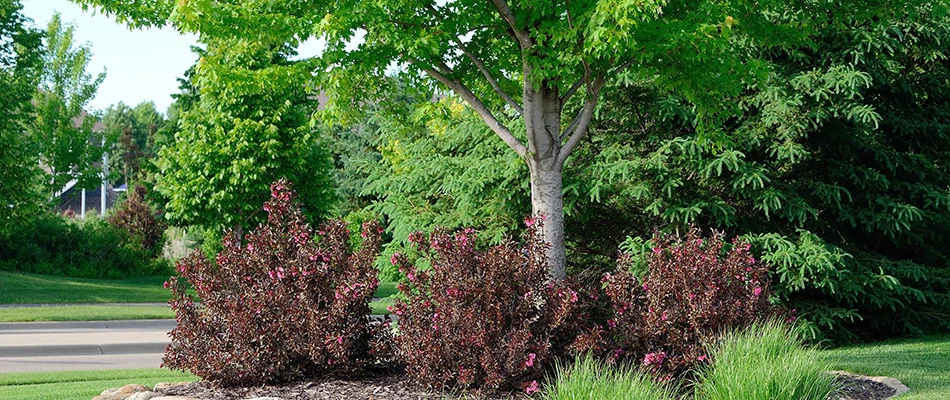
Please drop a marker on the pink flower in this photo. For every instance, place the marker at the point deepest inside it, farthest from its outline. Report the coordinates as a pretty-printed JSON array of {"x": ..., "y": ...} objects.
[
  {"x": 702, "y": 358},
  {"x": 339, "y": 340},
  {"x": 757, "y": 291},
  {"x": 530, "y": 361},
  {"x": 657, "y": 249},
  {"x": 531, "y": 387},
  {"x": 663, "y": 316},
  {"x": 654, "y": 358},
  {"x": 395, "y": 258}
]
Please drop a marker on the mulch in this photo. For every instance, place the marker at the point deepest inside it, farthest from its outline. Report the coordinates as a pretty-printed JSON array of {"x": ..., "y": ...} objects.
[{"x": 395, "y": 386}]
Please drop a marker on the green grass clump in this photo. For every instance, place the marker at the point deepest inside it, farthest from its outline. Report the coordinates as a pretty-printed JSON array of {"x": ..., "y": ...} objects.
[
  {"x": 67, "y": 385},
  {"x": 923, "y": 364},
  {"x": 588, "y": 379},
  {"x": 766, "y": 361}
]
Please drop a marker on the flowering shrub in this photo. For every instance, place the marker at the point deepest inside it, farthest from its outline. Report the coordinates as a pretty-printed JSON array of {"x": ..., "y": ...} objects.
[
  {"x": 136, "y": 217},
  {"x": 485, "y": 320},
  {"x": 279, "y": 307},
  {"x": 693, "y": 292}
]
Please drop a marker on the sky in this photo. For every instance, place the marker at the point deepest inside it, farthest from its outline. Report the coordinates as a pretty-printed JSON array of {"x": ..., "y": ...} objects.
[{"x": 140, "y": 65}]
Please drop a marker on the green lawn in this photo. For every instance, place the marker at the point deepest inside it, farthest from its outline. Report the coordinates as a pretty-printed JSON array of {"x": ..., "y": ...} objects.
[
  {"x": 20, "y": 288},
  {"x": 921, "y": 364},
  {"x": 77, "y": 385}
]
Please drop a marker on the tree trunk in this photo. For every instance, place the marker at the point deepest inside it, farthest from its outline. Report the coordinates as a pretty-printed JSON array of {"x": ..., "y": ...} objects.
[
  {"x": 543, "y": 123},
  {"x": 547, "y": 201}
]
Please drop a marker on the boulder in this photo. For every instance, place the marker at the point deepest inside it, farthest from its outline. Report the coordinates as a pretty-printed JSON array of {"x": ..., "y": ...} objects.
[{"x": 121, "y": 393}]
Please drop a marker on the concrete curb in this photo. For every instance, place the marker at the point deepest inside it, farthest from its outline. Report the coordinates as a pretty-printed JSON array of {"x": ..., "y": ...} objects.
[
  {"x": 82, "y": 350},
  {"x": 168, "y": 324}
]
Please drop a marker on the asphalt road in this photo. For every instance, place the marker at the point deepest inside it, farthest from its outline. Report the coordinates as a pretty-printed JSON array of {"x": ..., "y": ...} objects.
[{"x": 62, "y": 346}]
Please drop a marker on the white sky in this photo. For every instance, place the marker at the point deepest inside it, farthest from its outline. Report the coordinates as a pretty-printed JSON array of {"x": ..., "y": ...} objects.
[{"x": 140, "y": 65}]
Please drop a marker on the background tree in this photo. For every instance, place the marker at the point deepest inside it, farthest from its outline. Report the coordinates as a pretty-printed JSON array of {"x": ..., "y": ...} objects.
[
  {"x": 68, "y": 146},
  {"x": 540, "y": 64},
  {"x": 133, "y": 130},
  {"x": 21, "y": 194},
  {"x": 248, "y": 128}
]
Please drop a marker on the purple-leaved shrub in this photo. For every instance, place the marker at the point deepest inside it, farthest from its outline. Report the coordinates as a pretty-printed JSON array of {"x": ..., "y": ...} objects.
[
  {"x": 485, "y": 320},
  {"x": 693, "y": 292},
  {"x": 289, "y": 303}
]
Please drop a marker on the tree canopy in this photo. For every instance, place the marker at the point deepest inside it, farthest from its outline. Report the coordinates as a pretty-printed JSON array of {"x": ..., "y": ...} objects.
[{"x": 20, "y": 67}]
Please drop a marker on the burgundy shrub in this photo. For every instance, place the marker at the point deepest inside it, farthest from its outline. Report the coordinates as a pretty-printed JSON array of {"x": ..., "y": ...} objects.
[
  {"x": 484, "y": 320},
  {"x": 280, "y": 307},
  {"x": 137, "y": 218},
  {"x": 693, "y": 292}
]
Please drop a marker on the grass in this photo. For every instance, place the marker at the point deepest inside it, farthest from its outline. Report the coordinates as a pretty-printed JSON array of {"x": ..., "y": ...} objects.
[
  {"x": 922, "y": 364},
  {"x": 83, "y": 385},
  {"x": 588, "y": 379},
  {"x": 765, "y": 361},
  {"x": 21, "y": 288}
]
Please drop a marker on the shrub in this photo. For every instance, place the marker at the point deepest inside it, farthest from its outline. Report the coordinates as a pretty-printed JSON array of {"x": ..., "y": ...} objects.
[
  {"x": 694, "y": 291},
  {"x": 137, "y": 218},
  {"x": 589, "y": 379},
  {"x": 482, "y": 320},
  {"x": 280, "y": 307},
  {"x": 91, "y": 248},
  {"x": 764, "y": 361}
]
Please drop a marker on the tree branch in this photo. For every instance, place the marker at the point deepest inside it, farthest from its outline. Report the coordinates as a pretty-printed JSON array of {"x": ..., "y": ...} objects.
[
  {"x": 459, "y": 88},
  {"x": 570, "y": 92},
  {"x": 481, "y": 67},
  {"x": 593, "y": 94},
  {"x": 509, "y": 16}
]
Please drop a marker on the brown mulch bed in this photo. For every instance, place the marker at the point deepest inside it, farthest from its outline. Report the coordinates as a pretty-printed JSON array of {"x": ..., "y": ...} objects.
[
  {"x": 857, "y": 388},
  {"x": 394, "y": 386}
]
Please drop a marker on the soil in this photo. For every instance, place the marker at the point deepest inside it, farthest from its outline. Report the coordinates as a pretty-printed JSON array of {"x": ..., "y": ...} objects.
[{"x": 395, "y": 386}]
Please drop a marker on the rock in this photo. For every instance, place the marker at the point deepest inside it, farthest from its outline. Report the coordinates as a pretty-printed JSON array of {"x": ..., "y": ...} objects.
[
  {"x": 166, "y": 385},
  {"x": 121, "y": 393},
  {"x": 143, "y": 396}
]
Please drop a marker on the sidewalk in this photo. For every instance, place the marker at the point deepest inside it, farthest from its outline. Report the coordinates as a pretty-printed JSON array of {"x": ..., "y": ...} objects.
[{"x": 55, "y": 346}]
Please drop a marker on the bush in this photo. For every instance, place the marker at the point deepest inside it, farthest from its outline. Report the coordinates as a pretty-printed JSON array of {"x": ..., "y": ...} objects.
[
  {"x": 694, "y": 291},
  {"x": 91, "y": 248},
  {"x": 280, "y": 307},
  {"x": 589, "y": 379},
  {"x": 136, "y": 217},
  {"x": 483, "y": 320},
  {"x": 765, "y": 361}
]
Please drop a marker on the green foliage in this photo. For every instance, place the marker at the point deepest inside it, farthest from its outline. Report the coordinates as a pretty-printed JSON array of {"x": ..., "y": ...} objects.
[
  {"x": 247, "y": 128},
  {"x": 53, "y": 245},
  {"x": 21, "y": 193},
  {"x": 134, "y": 132},
  {"x": 765, "y": 361},
  {"x": 588, "y": 378},
  {"x": 68, "y": 146}
]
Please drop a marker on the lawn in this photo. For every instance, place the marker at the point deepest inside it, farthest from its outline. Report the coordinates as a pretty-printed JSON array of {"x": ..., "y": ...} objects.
[
  {"x": 20, "y": 288},
  {"x": 922, "y": 364},
  {"x": 83, "y": 385}
]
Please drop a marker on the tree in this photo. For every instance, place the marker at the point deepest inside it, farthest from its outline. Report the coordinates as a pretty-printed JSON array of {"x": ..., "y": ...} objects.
[
  {"x": 537, "y": 65},
  {"x": 247, "y": 128},
  {"x": 62, "y": 129},
  {"x": 133, "y": 130},
  {"x": 20, "y": 65}
]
